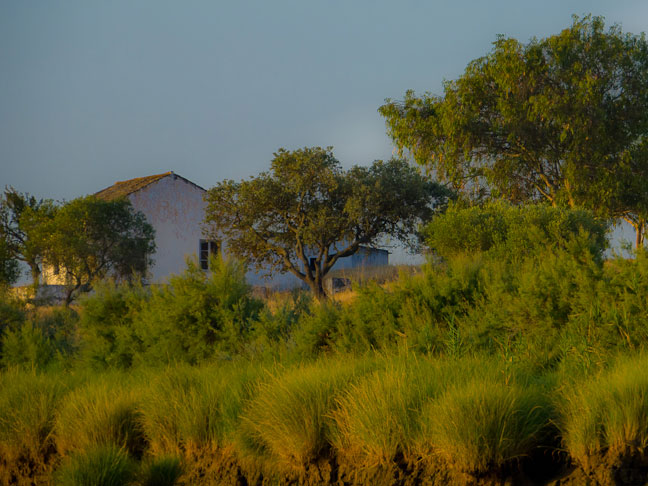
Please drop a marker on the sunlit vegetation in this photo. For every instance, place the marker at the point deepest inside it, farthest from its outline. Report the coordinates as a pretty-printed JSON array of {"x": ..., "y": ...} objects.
[{"x": 499, "y": 359}]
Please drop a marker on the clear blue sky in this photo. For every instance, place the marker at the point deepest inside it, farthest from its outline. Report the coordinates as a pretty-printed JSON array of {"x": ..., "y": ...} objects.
[{"x": 94, "y": 91}]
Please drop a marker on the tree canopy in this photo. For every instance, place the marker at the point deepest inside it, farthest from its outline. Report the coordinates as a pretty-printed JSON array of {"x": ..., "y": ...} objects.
[
  {"x": 22, "y": 219},
  {"x": 562, "y": 119},
  {"x": 307, "y": 212},
  {"x": 89, "y": 239}
]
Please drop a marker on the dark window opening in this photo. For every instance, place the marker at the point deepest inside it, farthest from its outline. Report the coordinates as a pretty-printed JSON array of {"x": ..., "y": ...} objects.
[
  {"x": 311, "y": 264},
  {"x": 207, "y": 248}
]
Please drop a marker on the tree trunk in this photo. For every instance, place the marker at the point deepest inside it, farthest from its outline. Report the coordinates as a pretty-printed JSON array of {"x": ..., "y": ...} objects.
[
  {"x": 35, "y": 274},
  {"x": 317, "y": 288},
  {"x": 640, "y": 234}
]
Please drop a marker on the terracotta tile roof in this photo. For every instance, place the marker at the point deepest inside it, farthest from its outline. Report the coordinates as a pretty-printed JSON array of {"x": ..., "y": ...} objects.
[{"x": 124, "y": 188}]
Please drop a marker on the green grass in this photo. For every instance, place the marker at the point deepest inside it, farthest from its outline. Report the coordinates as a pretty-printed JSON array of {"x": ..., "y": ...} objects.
[
  {"x": 486, "y": 424},
  {"x": 607, "y": 414},
  {"x": 28, "y": 403},
  {"x": 105, "y": 465},
  {"x": 103, "y": 412},
  {"x": 160, "y": 471},
  {"x": 187, "y": 409},
  {"x": 288, "y": 421},
  {"x": 379, "y": 416}
]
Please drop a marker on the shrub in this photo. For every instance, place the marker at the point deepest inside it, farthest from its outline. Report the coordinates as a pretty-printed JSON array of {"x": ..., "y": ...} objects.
[
  {"x": 26, "y": 347},
  {"x": 198, "y": 316},
  {"x": 513, "y": 232},
  {"x": 105, "y": 465},
  {"x": 378, "y": 417},
  {"x": 107, "y": 324}
]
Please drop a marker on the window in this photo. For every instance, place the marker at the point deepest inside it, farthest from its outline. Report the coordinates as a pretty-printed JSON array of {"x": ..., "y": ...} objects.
[
  {"x": 207, "y": 248},
  {"x": 311, "y": 264}
]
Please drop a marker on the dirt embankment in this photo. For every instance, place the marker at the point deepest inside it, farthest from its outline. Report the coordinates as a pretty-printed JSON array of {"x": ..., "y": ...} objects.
[
  {"x": 224, "y": 468},
  {"x": 549, "y": 469}
]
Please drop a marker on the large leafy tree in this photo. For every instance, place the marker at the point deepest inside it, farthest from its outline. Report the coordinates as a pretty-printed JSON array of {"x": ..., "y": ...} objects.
[
  {"x": 562, "y": 119},
  {"x": 89, "y": 239},
  {"x": 306, "y": 212},
  {"x": 22, "y": 220}
]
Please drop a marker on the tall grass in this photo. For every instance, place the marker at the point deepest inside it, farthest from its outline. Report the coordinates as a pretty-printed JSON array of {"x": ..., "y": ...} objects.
[
  {"x": 486, "y": 424},
  {"x": 185, "y": 409},
  {"x": 105, "y": 465},
  {"x": 378, "y": 418},
  {"x": 103, "y": 412},
  {"x": 28, "y": 404},
  {"x": 607, "y": 414},
  {"x": 288, "y": 421}
]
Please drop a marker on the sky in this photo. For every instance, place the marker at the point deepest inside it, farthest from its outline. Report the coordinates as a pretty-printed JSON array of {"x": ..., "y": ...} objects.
[{"x": 92, "y": 92}]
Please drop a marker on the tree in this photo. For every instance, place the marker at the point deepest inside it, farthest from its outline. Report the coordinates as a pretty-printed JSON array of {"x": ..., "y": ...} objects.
[
  {"x": 562, "y": 119},
  {"x": 89, "y": 239},
  {"x": 9, "y": 270},
  {"x": 307, "y": 213},
  {"x": 22, "y": 218}
]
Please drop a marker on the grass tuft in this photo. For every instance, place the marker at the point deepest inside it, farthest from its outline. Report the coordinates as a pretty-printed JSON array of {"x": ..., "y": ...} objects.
[
  {"x": 161, "y": 471},
  {"x": 288, "y": 422},
  {"x": 106, "y": 465},
  {"x": 104, "y": 412},
  {"x": 486, "y": 424},
  {"x": 607, "y": 414}
]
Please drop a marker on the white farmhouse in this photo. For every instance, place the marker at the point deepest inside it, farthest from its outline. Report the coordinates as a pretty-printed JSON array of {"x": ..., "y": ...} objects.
[{"x": 175, "y": 207}]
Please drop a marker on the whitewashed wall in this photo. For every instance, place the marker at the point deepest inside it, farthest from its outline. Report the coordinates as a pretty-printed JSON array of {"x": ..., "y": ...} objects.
[{"x": 175, "y": 208}]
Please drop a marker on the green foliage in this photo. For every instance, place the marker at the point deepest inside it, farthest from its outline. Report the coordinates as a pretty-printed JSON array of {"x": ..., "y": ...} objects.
[
  {"x": 9, "y": 267},
  {"x": 38, "y": 338},
  {"x": 197, "y": 316},
  {"x": 561, "y": 119},
  {"x": 26, "y": 347},
  {"x": 105, "y": 465},
  {"x": 90, "y": 238},
  {"x": 28, "y": 405},
  {"x": 514, "y": 232},
  {"x": 23, "y": 236},
  {"x": 306, "y": 213},
  {"x": 108, "y": 325},
  {"x": 378, "y": 418}
]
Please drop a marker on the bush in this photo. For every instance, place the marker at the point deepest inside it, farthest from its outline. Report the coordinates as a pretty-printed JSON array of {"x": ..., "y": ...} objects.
[
  {"x": 26, "y": 348},
  {"x": 108, "y": 325},
  {"x": 513, "y": 232},
  {"x": 198, "y": 316},
  {"x": 378, "y": 418}
]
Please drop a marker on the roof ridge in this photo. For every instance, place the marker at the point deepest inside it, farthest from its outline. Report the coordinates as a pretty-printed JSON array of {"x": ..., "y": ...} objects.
[{"x": 127, "y": 187}]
